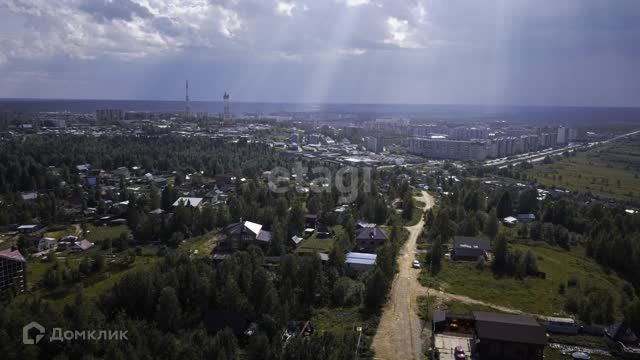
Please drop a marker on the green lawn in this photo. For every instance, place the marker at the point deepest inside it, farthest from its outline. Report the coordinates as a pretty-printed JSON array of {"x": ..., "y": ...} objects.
[
  {"x": 203, "y": 244},
  {"x": 101, "y": 233},
  {"x": 58, "y": 232},
  {"x": 533, "y": 295},
  {"x": 315, "y": 244},
  {"x": 597, "y": 170}
]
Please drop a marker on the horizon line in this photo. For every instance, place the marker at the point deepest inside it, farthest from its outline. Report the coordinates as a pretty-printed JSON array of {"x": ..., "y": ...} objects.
[{"x": 328, "y": 103}]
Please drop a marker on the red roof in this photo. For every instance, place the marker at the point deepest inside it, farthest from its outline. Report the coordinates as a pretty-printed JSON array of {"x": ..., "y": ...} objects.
[{"x": 12, "y": 255}]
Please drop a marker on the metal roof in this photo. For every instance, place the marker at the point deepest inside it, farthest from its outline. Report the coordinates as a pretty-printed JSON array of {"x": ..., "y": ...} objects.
[
  {"x": 509, "y": 328},
  {"x": 14, "y": 255}
]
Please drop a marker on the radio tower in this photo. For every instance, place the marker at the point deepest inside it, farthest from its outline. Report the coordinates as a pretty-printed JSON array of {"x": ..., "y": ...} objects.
[
  {"x": 227, "y": 114},
  {"x": 187, "y": 109}
]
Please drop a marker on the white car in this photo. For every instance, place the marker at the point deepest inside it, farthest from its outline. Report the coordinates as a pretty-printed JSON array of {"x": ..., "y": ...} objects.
[{"x": 416, "y": 264}]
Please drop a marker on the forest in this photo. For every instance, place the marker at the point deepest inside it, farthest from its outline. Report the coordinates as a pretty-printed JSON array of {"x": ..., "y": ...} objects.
[{"x": 166, "y": 305}]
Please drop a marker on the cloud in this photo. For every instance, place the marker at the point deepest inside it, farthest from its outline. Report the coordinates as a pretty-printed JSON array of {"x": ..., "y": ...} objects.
[
  {"x": 107, "y": 10},
  {"x": 285, "y": 8},
  {"x": 469, "y": 51},
  {"x": 354, "y": 2},
  {"x": 400, "y": 33}
]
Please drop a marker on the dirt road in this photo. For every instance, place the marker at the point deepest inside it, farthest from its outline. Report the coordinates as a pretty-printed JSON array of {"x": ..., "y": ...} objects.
[
  {"x": 443, "y": 296},
  {"x": 398, "y": 334}
]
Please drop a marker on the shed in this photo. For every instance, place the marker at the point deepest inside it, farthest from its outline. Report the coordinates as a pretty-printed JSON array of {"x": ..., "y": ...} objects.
[
  {"x": 356, "y": 261},
  {"x": 296, "y": 240},
  {"x": 525, "y": 218},
  {"x": 507, "y": 336}
]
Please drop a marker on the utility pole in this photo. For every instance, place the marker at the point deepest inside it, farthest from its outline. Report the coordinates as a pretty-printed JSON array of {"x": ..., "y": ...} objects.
[{"x": 358, "y": 329}]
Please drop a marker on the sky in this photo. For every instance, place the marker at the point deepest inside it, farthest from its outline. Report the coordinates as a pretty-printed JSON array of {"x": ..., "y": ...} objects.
[{"x": 489, "y": 52}]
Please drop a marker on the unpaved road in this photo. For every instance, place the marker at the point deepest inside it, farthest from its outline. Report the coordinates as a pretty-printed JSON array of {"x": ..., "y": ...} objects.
[
  {"x": 398, "y": 334},
  {"x": 423, "y": 291}
]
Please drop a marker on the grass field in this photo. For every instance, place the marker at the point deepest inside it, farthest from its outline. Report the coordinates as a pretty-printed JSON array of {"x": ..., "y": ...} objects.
[
  {"x": 93, "y": 285},
  {"x": 315, "y": 244},
  {"x": 337, "y": 320},
  {"x": 343, "y": 320},
  {"x": 610, "y": 170},
  {"x": 100, "y": 233},
  {"x": 532, "y": 295},
  {"x": 427, "y": 305},
  {"x": 203, "y": 244},
  {"x": 60, "y": 232}
]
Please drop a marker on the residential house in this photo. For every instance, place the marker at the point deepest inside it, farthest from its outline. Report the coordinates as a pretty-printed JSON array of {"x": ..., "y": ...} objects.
[
  {"x": 27, "y": 229},
  {"x": 470, "y": 247},
  {"x": 46, "y": 243},
  {"x": 121, "y": 171},
  {"x": 361, "y": 224},
  {"x": 83, "y": 167},
  {"x": 13, "y": 270},
  {"x": 82, "y": 245},
  {"x": 311, "y": 220},
  {"x": 160, "y": 182},
  {"x": 296, "y": 240},
  {"x": 509, "y": 221},
  {"x": 369, "y": 239},
  {"x": 31, "y": 195},
  {"x": 193, "y": 202},
  {"x": 241, "y": 235}
]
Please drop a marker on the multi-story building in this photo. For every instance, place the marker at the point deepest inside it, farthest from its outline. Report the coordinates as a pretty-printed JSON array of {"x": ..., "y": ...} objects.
[
  {"x": 314, "y": 139},
  {"x": 466, "y": 133},
  {"x": 243, "y": 234},
  {"x": 439, "y": 148},
  {"x": 12, "y": 270},
  {"x": 565, "y": 135},
  {"x": 374, "y": 143},
  {"x": 392, "y": 126},
  {"x": 369, "y": 239},
  {"x": 109, "y": 116}
]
